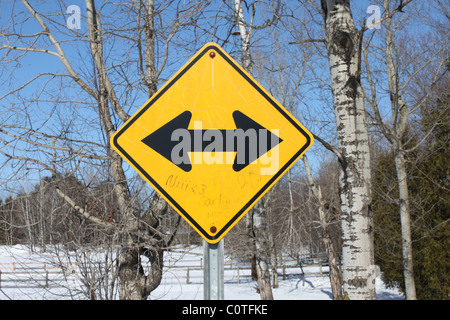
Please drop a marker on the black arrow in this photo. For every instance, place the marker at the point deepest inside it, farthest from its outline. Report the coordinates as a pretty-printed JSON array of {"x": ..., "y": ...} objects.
[{"x": 249, "y": 140}]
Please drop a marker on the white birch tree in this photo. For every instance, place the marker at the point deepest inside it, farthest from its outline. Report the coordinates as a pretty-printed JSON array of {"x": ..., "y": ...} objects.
[{"x": 342, "y": 40}]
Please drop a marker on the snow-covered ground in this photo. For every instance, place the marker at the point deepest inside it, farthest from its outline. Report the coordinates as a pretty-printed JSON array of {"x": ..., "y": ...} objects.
[{"x": 173, "y": 286}]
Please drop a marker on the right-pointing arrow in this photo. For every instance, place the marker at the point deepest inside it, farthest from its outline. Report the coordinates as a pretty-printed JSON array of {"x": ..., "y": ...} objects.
[
  {"x": 249, "y": 140},
  {"x": 247, "y": 149}
]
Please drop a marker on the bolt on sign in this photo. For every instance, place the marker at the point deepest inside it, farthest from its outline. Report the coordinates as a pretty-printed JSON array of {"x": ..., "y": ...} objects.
[{"x": 212, "y": 142}]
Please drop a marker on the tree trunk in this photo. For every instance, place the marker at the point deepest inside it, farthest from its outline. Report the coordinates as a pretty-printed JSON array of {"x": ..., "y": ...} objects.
[
  {"x": 134, "y": 284},
  {"x": 150, "y": 68},
  {"x": 333, "y": 262},
  {"x": 342, "y": 41},
  {"x": 400, "y": 114},
  {"x": 407, "y": 254},
  {"x": 262, "y": 250},
  {"x": 251, "y": 236},
  {"x": 246, "y": 57},
  {"x": 273, "y": 261},
  {"x": 29, "y": 224}
]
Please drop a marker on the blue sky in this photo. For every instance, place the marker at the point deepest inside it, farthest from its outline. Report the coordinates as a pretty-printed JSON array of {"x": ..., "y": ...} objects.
[{"x": 19, "y": 72}]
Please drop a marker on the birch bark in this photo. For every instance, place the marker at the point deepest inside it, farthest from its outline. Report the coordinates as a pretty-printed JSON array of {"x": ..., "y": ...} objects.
[{"x": 342, "y": 40}]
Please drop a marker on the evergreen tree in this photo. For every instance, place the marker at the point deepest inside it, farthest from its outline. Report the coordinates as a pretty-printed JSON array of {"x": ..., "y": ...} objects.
[{"x": 429, "y": 186}]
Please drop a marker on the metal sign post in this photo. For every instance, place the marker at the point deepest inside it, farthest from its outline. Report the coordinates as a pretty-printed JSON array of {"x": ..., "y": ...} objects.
[{"x": 213, "y": 271}]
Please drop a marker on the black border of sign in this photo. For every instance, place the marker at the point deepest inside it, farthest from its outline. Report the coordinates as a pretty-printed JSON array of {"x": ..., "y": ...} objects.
[{"x": 261, "y": 191}]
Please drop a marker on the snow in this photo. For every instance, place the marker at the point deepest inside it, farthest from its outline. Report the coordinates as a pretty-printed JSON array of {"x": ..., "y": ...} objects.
[{"x": 173, "y": 285}]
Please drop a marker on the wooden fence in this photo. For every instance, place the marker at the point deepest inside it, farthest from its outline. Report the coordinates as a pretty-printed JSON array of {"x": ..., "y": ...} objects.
[
  {"x": 29, "y": 275},
  {"x": 243, "y": 274},
  {"x": 47, "y": 275}
]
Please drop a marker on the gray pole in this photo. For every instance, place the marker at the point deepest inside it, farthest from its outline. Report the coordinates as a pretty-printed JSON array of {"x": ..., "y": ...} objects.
[{"x": 213, "y": 271}]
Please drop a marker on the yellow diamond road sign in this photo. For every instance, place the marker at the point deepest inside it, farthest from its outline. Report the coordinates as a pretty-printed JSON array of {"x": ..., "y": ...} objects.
[{"x": 212, "y": 142}]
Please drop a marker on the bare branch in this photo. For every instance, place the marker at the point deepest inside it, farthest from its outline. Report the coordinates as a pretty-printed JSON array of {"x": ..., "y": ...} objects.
[
  {"x": 81, "y": 211},
  {"x": 96, "y": 43},
  {"x": 5, "y": 46},
  {"x": 61, "y": 54},
  {"x": 330, "y": 148},
  {"x": 77, "y": 152},
  {"x": 308, "y": 41}
]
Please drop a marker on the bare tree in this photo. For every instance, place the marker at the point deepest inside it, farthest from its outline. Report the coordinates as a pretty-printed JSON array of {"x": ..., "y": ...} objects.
[
  {"x": 69, "y": 141},
  {"x": 333, "y": 257},
  {"x": 402, "y": 67}
]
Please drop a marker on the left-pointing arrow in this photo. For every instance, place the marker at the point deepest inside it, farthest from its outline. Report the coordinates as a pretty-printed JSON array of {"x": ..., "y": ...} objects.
[{"x": 249, "y": 140}]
